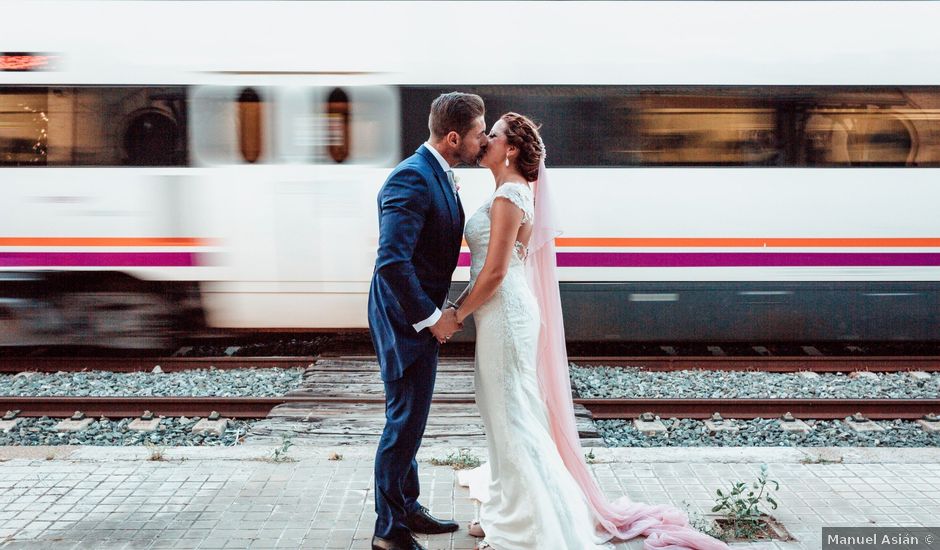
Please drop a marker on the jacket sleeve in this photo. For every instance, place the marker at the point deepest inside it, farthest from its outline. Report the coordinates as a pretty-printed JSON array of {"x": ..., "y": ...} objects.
[{"x": 403, "y": 206}]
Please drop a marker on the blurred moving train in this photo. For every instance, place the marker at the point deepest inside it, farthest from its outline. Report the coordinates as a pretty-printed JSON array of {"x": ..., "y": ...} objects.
[{"x": 724, "y": 171}]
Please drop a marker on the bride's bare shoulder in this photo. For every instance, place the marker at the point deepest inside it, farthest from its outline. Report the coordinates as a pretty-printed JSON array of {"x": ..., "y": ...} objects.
[{"x": 520, "y": 195}]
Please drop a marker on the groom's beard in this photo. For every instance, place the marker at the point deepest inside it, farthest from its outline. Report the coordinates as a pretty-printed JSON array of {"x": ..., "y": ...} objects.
[
  {"x": 472, "y": 161},
  {"x": 467, "y": 160}
]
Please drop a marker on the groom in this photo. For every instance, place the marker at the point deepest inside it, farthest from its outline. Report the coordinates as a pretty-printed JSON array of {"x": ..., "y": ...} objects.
[{"x": 420, "y": 231}]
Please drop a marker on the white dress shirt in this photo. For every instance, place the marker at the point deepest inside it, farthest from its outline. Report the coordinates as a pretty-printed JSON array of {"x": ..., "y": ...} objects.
[{"x": 430, "y": 321}]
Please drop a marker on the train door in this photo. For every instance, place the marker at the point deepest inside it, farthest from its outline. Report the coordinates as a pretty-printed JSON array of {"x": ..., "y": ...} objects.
[
  {"x": 234, "y": 147},
  {"x": 325, "y": 219},
  {"x": 292, "y": 175}
]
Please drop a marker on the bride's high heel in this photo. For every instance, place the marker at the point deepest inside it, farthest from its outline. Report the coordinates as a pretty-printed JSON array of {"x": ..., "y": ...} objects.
[{"x": 475, "y": 530}]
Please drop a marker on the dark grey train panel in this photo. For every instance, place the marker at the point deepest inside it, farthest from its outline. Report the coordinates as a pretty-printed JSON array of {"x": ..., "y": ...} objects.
[{"x": 748, "y": 311}]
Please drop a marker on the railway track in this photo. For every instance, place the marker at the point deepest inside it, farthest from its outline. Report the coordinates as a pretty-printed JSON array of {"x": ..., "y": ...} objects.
[
  {"x": 9, "y": 365},
  {"x": 819, "y": 409},
  {"x": 145, "y": 364},
  {"x": 353, "y": 381},
  {"x": 601, "y": 409},
  {"x": 769, "y": 364}
]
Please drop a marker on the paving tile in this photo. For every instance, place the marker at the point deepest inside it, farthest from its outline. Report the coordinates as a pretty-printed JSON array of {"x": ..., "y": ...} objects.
[{"x": 323, "y": 504}]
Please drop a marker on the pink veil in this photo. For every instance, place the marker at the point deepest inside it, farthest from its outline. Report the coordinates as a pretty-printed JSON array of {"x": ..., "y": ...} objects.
[{"x": 664, "y": 526}]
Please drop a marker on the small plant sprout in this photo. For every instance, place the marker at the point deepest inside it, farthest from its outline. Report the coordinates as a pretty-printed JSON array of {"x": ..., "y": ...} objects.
[
  {"x": 279, "y": 454},
  {"x": 741, "y": 507},
  {"x": 462, "y": 459}
]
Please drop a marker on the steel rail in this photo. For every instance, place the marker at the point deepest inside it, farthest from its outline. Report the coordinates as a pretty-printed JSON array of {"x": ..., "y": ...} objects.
[
  {"x": 770, "y": 364},
  {"x": 231, "y": 407},
  {"x": 146, "y": 364},
  {"x": 259, "y": 407},
  {"x": 664, "y": 364},
  {"x": 761, "y": 408}
]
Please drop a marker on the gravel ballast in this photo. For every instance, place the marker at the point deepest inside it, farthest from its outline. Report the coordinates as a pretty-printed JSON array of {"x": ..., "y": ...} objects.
[
  {"x": 632, "y": 382},
  {"x": 250, "y": 382},
  {"x": 767, "y": 433},
  {"x": 171, "y": 432}
]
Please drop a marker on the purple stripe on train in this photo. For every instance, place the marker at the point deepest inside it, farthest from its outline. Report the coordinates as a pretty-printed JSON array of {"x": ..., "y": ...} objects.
[
  {"x": 738, "y": 259},
  {"x": 97, "y": 259}
]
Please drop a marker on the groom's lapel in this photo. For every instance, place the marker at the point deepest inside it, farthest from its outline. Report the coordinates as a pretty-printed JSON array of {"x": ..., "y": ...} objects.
[{"x": 441, "y": 181}]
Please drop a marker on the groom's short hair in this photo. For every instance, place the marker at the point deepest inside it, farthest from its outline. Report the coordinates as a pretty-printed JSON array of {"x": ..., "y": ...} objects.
[{"x": 454, "y": 112}]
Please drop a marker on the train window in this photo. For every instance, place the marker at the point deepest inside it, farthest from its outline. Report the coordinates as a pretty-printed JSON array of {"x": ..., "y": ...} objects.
[
  {"x": 151, "y": 139},
  {"x": 231, "y": 125},
  {"x": 250, "y": 125},
  {"x": 649, "y": 126},
  {"x": 859, "y": 138},
  {"x": 712, "y": 133},
  {"x": 357, "y": 124},
  {"x": 337, "y": 125},
  {"x": 24, "y": 125},
  {"x": 93, "y": 126},
  {"x": 574, "y": 118}
]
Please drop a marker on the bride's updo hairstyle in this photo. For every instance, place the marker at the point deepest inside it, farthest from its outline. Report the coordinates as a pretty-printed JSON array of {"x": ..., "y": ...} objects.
[{"x": 523, "y": 134}]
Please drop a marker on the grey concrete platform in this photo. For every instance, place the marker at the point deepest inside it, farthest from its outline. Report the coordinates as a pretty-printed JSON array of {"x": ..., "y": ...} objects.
[{"x": 107, "y": 497}]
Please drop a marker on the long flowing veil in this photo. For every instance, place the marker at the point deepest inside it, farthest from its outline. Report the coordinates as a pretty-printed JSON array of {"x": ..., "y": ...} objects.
[{"x": 664, "y": 526}]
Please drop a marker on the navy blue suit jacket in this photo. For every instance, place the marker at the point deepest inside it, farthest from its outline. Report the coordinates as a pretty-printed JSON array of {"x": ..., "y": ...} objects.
[{"x": 420, "y": 231}]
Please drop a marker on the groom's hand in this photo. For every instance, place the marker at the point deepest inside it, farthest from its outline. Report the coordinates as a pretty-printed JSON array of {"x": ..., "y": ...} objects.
[{"x": 446, "y": 326}]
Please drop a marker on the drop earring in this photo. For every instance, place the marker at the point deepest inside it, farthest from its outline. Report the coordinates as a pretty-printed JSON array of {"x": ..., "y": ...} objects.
[{"x": 507, "y": 161}]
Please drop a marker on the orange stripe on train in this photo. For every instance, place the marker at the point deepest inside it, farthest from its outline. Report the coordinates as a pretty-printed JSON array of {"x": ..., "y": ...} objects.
[
  {"x": 103, "y": 241},
  {"x": 745, "y": 242}
]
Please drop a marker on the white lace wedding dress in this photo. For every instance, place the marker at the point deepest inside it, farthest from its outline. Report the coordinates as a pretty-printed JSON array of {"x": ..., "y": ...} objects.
[{"x": 529, "y": 500}]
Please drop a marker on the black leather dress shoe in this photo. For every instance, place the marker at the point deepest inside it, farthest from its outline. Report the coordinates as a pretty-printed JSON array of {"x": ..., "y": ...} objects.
[
  {"x": 423, "y": 522},
  {"x": 408, "y": 543}
]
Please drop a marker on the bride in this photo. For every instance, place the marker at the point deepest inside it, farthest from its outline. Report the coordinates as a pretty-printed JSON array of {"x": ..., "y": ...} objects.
[{"x": 536, "y": 490}]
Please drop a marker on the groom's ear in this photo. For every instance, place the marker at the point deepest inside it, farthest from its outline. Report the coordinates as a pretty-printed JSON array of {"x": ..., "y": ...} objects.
[{"x": 453, "y": 139}]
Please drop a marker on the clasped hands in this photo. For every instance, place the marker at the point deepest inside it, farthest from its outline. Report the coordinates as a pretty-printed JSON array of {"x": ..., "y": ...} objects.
[{"x": 447, "y": 325}]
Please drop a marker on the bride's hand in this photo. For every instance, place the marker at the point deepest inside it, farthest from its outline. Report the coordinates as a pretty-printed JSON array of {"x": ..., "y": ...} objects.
[
  {"x": 446, "y": 326},
  {"x": 456, "y": 309}
]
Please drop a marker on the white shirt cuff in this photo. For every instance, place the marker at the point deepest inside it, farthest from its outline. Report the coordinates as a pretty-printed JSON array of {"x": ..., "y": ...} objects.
[{"x": 429, "y": 321}]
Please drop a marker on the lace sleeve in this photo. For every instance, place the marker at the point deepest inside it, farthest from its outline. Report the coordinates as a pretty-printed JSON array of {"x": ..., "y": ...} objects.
[{"x": 521, "y": 196}]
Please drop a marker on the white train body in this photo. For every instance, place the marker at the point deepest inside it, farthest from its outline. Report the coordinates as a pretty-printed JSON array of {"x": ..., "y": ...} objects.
[{"x": 287, "y": 240}]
